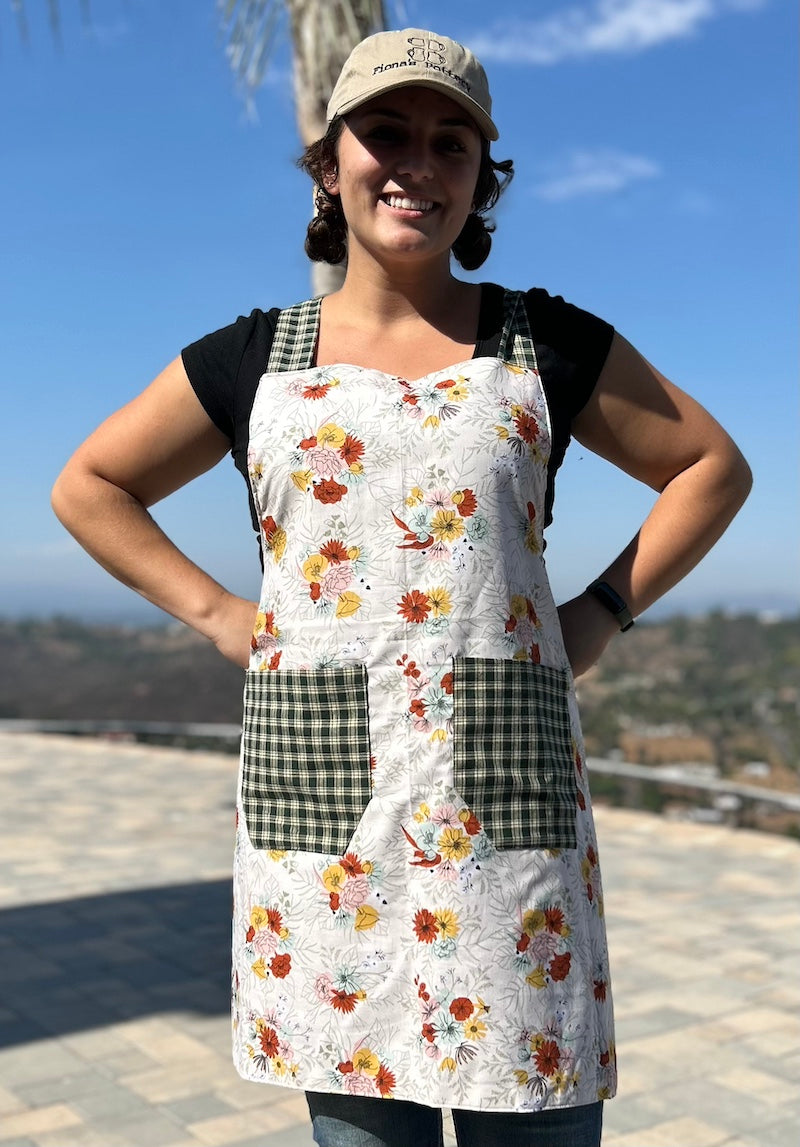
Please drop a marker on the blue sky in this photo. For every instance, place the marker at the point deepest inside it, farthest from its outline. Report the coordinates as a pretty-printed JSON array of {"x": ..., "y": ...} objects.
[{"x": 142, "y": 206}]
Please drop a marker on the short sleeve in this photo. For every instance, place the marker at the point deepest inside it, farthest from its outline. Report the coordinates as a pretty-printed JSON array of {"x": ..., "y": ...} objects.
[{"x": 224, "y": 368}]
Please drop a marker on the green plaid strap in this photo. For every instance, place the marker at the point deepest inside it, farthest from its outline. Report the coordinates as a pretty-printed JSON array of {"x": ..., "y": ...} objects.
[
  {"x": 306, "y": 758},
  {"x": 295, "y": 338},
  {"x": 516, "y": 340},
  {"x": 513, "y": 760}
]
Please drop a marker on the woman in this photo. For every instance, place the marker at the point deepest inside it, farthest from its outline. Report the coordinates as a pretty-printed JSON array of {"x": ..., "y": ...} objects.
[{"x": 418, "y": 905}]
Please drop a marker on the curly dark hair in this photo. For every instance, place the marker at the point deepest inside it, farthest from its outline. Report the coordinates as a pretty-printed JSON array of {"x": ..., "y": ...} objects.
[{"x": 326, "y": 238}]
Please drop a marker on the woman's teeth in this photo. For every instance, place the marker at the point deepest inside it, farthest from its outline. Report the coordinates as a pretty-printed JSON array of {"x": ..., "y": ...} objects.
[{"x": 409, "y": 204}]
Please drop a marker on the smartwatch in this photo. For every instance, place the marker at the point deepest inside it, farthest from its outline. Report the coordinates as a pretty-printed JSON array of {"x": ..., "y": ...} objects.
[{"x": 610, "y": 599}]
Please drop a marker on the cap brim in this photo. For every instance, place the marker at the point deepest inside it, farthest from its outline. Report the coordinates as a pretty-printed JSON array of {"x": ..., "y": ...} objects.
[{"x": 485, "y": 123}]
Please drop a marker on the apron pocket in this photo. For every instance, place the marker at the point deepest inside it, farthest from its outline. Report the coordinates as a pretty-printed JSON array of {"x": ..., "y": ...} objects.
[
  {"x": 513, "y": 760},
  {"x": 305, "y": 757}
]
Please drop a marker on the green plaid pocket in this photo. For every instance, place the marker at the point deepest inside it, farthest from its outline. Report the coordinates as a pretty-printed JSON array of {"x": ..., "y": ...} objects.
[
  {"x": 305, "y": 748},
  {"x": 512, "y": 751}
]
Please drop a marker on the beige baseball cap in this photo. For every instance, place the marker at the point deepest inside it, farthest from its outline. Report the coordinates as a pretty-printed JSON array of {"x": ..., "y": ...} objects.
[{"x": 390, "y": 60}]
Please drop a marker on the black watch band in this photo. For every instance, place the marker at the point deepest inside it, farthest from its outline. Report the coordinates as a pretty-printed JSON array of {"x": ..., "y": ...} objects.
[{"x": 608, "y": 597}]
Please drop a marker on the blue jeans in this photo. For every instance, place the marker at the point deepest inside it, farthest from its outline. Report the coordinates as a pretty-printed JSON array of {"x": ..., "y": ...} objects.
[{"x": 356, "y": 1121}]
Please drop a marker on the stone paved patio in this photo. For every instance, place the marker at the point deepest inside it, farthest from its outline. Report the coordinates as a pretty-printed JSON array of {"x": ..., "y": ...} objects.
[{"x": 114, "y": 907}]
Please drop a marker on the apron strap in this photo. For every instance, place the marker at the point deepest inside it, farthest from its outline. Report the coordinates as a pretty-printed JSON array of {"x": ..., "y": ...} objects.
[
  {"x": 295, "y": 338},
  {"x": 516, "y": 340}
]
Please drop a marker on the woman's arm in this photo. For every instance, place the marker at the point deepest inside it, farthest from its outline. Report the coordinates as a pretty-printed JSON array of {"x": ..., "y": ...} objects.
[
  {"x": 148, "y": 449},
  {"x": 656, "y": 433}
]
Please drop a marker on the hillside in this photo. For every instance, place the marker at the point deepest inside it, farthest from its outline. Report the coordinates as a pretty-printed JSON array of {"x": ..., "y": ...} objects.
[{"x": 719, "y": 691}]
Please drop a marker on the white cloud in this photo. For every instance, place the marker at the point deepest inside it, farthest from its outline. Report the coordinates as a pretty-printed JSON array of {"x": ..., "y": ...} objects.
[
  {"x": 604, "y": 28},
  {"x": 598, "y": 172}
]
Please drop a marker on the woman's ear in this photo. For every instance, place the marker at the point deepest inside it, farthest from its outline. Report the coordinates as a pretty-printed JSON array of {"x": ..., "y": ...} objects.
[{"x": 330, "y": 181}]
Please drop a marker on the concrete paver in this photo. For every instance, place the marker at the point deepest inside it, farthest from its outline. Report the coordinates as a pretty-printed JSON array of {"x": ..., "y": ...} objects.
[{"x": 114, "y": 931}]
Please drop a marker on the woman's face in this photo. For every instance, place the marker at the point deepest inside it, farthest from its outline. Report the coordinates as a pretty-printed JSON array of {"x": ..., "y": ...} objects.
[{"x": 408, "y": 163}]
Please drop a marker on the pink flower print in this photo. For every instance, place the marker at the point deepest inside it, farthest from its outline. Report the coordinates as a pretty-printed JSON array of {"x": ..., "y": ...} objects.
[
  {"x": 285, "y": 1050},
  {"x": 323, "y": 986},
  {"x": 438, "y": 552},
  {"x": 335, "y": 580},
  {"x": 432, "y": 1051},
  {"x": 447, "y": 871},
  {"x": 265, "y": 643},
  {"x": 446, "y": 816},
  {"x": 525, "y": 633},
  {"x": 265, "y": 943},
  {"x": 357, "y": 1084},
  {"x": 439, "y": 500},
  {"x": 325, "y": 462},
  {"x": 422, "y": 725},
  {"x": 417, "y": 686},
  {"x": 543, "y": 946},
  {"x": 428, "y": 1009},
  {"x": 354, "y": 893}
]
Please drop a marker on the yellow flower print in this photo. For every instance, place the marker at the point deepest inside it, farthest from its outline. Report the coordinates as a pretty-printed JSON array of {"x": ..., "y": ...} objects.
[
  {"x": 334, "y": 877},
  {"x": 356, "y": 468},
  {"x": 366, "y": 917},
  {"x": 422, "y": 813},
  {"x": 415, "y": 497},
  {"x": 367, "y": 867},
  {"x": 536, "y": 977},
  {"x": 512, "y": 369},
  {"x": 353, "y": 552},
  {"x": 260, "y": 968},
  {"x": 454, "y": 844},
  {"x": 314, "y": 567},
  {"x": 256, "y": 471},
  {"x": 521, "y": 1077},
  {"x": 438, "y": 735},
  {"x": 366, "y": 1062},
  {"x": 560, "y": 1082},
  {"x": 516, "y": 410},
  {"x": 276, "y": 853},
  {"x": 447, "y": 1064},
  {"x": 446, "y": 525},
  {"x": 432, "y": 420},
  {"x": 457, "y": 393},
  {"x": 531, "y": 540},
  {"x": 258, "y": 917},
  {"x": 278, "y": 1065},
  {"x": 284, "y": 933},
  {"x": 534, "y": 921},
  {"x": 331, "y": 435},
  {"x": 519, "y": 606},
  {"x": 482, "y": 1009},
  {"x": 475, "y": 1029},
  {"x": 537, "y": 1041},
  {"x": 303, "y": 479},
  {"x": 294, "y": 1070},
  {"x": 440, "y": 601},
  {"x": 502, "y": 432},
  {"x": 586, "y": 870},
  {"x": 446, "y": 922},
  {"x": 278, "y": 545},
  {"x": 604, "y": 1093},
  {"x": 348, "y": 603}
]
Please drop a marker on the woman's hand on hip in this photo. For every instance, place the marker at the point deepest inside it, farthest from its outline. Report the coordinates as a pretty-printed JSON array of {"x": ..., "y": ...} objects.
[
  {"x": 587, "y": 629},
  {"x": 230, "y": 627}
]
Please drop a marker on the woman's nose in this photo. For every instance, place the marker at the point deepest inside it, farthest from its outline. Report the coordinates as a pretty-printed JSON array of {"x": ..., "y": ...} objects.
[{"x": 417, "y": 162}]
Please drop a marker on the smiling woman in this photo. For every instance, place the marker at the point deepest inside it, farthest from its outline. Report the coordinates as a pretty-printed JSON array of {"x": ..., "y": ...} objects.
[{"x": 418, "y": 905}]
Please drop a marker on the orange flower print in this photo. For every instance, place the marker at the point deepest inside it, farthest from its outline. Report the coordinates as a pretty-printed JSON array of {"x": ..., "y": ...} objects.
[
  {"x": 343, "y": 1001},
  {"x": 280, "y": 966},
  {"x": 385, "y": 1081},
  {"x": 447, "y": 683},
  {"x": 329, "y": 491},
  {"x": 547, "y": 1057},
  {"x": 308, "y": 443},
  {"x": 461, "y": 1008},
  {"x": 269, "y": 1042},
  {"x": 351, "y": 864},
  {"x": 415, "y": 606},
  {"x": 600, "y": 990},
  {"x": 345, "y": 1067},
  {"x": 554, "y": 918},
  {"x": 351, "y": 450},
  {"x": 274, "y": 919},
  {"x": 316, "y": 390},
  {"x": 527, "y": 427},
  {"x": 559, "y": 966},
  {"x": 425, "y": 926},
  {"x": 417, "y": 707},
  {"x": 334, "y": 551},
  {"x": 467, "y": 503}
]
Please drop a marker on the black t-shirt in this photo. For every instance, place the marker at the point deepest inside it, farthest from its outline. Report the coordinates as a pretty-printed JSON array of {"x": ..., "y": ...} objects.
[{"x": 571, "y": 346}]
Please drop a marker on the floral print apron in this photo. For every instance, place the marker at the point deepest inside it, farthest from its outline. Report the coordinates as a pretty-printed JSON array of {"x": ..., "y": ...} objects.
[{"x": 418, "y": 908}]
